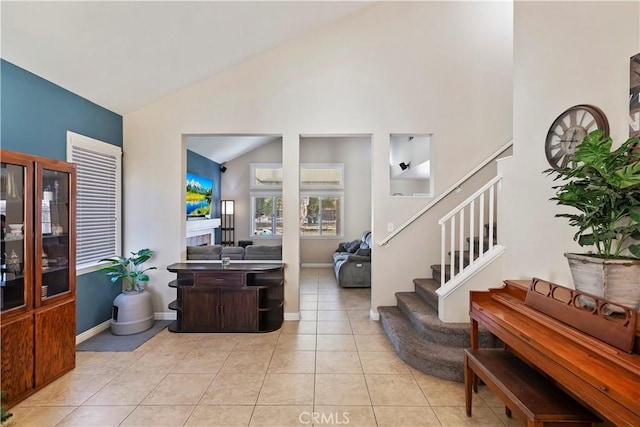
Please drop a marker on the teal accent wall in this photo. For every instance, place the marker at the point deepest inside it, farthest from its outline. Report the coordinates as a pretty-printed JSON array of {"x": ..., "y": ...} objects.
[
  {"x": 204, "y": 167},
  {"x": 35, "y": 116}
]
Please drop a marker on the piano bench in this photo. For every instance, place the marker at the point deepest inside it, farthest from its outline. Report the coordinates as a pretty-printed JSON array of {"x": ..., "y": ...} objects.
[{"x": 525, "y": 392}]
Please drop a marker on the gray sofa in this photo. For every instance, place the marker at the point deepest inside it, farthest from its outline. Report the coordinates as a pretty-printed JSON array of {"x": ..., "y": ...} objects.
[
  {"x": 352, "y": 262},
  {"x": 251, "y": 252}
]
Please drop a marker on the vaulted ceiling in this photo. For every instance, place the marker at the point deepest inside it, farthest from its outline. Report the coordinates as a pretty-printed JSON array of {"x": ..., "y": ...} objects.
[{"x": 125, "y": 55}]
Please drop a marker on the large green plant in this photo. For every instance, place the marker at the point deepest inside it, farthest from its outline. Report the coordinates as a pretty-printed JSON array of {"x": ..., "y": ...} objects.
[
  {"x": 604, "y": 186},
  {"x": 129, "y": 269}
]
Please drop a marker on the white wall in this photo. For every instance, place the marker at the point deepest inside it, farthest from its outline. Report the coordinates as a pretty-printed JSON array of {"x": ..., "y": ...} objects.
[
  {"x": 565, "y": 53},
  {"x": 396, "y": 67}
]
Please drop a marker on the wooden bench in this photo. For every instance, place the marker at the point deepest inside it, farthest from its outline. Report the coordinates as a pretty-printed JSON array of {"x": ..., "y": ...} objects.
[{"x": 525, "y": 392}]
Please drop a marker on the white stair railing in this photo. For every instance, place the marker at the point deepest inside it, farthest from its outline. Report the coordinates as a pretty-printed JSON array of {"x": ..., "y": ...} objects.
[{"x": 455, "y": 231}]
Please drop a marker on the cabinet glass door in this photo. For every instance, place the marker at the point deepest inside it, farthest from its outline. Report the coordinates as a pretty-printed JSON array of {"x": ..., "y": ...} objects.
[
  {"x": 14, "y": 211},
  {"x": 53, "y": 248}
]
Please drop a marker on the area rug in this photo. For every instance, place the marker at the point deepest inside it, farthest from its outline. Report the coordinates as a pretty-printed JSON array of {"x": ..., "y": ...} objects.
[{"x": 106, "y": 341}]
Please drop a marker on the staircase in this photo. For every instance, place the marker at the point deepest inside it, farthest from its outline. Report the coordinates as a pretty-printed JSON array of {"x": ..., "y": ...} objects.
[{"x": 419, "y": 336}]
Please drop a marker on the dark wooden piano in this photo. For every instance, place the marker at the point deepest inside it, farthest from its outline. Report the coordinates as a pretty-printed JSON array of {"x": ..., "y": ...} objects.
[{"x": 601, "y": 375}]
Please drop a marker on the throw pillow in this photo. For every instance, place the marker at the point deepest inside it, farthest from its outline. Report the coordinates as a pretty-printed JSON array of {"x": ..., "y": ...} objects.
[{"x": 353, "y": 246}]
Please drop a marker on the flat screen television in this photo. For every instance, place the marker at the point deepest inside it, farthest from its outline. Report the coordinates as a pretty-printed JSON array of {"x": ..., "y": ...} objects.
[{"x": 199, "y": 192}]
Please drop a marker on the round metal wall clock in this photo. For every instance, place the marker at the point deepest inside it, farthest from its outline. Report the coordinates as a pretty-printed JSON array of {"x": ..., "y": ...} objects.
[{"x": 568, "y": 131}]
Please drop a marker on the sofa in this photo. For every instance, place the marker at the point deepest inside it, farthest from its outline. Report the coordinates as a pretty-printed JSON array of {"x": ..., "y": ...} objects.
[
  {"x": 251, "y": 252},
  {"x": 352, "y": 262}
]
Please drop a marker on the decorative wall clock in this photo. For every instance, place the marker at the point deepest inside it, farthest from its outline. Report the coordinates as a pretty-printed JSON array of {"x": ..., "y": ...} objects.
[{"x": 568, "y": 131}]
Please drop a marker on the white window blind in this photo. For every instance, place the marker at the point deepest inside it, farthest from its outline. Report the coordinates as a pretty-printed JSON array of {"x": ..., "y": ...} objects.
[{"x": 98, "y": 199}]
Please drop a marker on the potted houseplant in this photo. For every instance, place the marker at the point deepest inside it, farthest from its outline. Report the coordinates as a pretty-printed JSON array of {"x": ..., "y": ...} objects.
[
  {"x": 133, "y": 308},
  {"x": 603, "y": 186}
]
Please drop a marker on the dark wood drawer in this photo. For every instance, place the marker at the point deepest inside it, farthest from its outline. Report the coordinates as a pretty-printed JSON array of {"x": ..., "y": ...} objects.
[{"x": 219, "y": 279}]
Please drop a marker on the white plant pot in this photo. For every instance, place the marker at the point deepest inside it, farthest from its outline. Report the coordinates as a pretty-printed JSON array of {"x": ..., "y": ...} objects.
[
  {"x": 616, "y": 280},
  {"x": 132, "y": 313}
]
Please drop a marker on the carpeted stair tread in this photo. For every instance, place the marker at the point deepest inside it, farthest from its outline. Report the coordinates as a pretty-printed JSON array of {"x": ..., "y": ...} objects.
[
  {"x": 427, "y": 288},
  {"x": 425, "y": 321},
  {"x": 436, "y": 272},
  {"x": 434, "y": 359}
]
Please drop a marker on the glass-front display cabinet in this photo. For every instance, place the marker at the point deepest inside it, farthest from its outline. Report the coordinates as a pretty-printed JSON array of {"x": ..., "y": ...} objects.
[
  {"x": 16, "y": 184},
  {"x": 37, "y": 286},
  {"x": 54, "y": 249}
]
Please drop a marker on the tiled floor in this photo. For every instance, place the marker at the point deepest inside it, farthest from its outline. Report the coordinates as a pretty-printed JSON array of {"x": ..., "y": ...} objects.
[{"x": 334, "y": 367}]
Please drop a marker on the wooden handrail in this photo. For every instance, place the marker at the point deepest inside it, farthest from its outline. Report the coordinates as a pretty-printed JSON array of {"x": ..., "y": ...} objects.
[{"x": 450, "y": 190}]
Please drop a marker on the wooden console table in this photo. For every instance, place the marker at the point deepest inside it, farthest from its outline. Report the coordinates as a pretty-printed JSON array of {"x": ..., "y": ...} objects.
[{"x": 241, "y": 297}]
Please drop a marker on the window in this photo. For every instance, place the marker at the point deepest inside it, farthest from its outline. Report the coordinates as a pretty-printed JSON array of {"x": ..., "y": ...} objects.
[
  {"x": 321, "y": 215},
  {"x": 267, "y": 215},
  {"x": 266, "y": 176},
  {"x": 98, "y": 199}
]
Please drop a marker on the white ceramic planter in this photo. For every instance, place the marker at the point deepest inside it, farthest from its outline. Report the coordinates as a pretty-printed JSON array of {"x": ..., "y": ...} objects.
[
  {"x": 617, "y": 280},
  {"x": 132, "y": 313}
]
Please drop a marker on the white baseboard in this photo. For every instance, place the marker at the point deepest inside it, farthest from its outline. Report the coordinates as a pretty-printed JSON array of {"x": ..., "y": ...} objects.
[
  {"x": 292, "y": 316},
  {"x": 374, "y": 315},
  {"x": 93, "y": 331},
  {"x": 316, "y": 265},
  {"x": 166, "y": 315}
]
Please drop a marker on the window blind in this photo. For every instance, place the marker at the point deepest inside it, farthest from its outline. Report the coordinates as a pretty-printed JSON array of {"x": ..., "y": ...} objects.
[{"x": 97, "y": 204}]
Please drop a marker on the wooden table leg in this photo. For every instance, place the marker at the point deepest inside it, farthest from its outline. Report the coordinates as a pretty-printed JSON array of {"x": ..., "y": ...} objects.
[{"x": 469, "y": 380}]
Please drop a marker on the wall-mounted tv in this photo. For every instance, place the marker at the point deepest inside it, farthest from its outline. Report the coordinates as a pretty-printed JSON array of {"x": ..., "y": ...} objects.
[{"x": 199, "y": 191}]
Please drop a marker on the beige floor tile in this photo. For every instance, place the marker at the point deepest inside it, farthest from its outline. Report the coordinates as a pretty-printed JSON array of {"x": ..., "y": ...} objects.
[
  {"x": 128, "y": 388},
  {"x": 359, "y": 315},
  {"x": 333, "y": 297},
  {"x": 233, "y": 389},
  {"x": 446, "y": 393},
  {"x": 304, "y": 327},
  {"x": 373, "y": 343},
  {"x": 220, "y": 416},
  {"x": 352, "y": 416},
  {"x": 296, "y": 342},
  {"x": 247, "y": 361},
  {"x": 158, "y": 416},
  {"x": 395, "y": 390},
  {"x": 217, "y": 343},
  {"x": 156, "y": 362},
  {"x": 287, "y": 389},
  {"x": 258, "y": 341},
  {"x": 355, "y": 304},
  {"x": 331, "y": 305},
  {"x": 332, "y": 315},
  {"x": 102, "y": 416},
  {"x": 455, "y": 416},
  {"x": 383, "y": 362},
  {"x": 72, "y": 389},
  {"x": 334, "y": 328},
  {"x": 308, "y": 305},
  {"x": 175, "y": 346},
  {"x": 335, "y": 343},
  {"x": 179, "y": 389},
  {"x": 43, "y": 416},
  {"x": 488, "y": 397},
  {"x": 292, "y": 362},
  {"x": 106, "y": 363},
  {"x": 201, "y": 361},
  {"x": 309, "y": 297},
  {"x": 308, "y": 289},
  {"x": 308, "y": 315},
  {"x": 367, "y": 328},
  {"x": 338, "y": 362},
  {"x": 341, "y": 389},
  {"x": 403, "y": 416},
  {"x": 280, "y": 416}
]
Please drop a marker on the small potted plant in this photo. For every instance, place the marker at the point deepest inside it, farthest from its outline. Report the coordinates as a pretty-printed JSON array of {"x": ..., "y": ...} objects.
[
  {"x": 603, "y": 187},
  {"x": 133, "y": 308}
]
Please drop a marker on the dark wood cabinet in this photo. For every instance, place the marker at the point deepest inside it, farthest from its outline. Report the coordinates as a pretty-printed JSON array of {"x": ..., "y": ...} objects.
[
  {"x": 242, "y": 297},
  {"x": 37, "y": 274}
]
